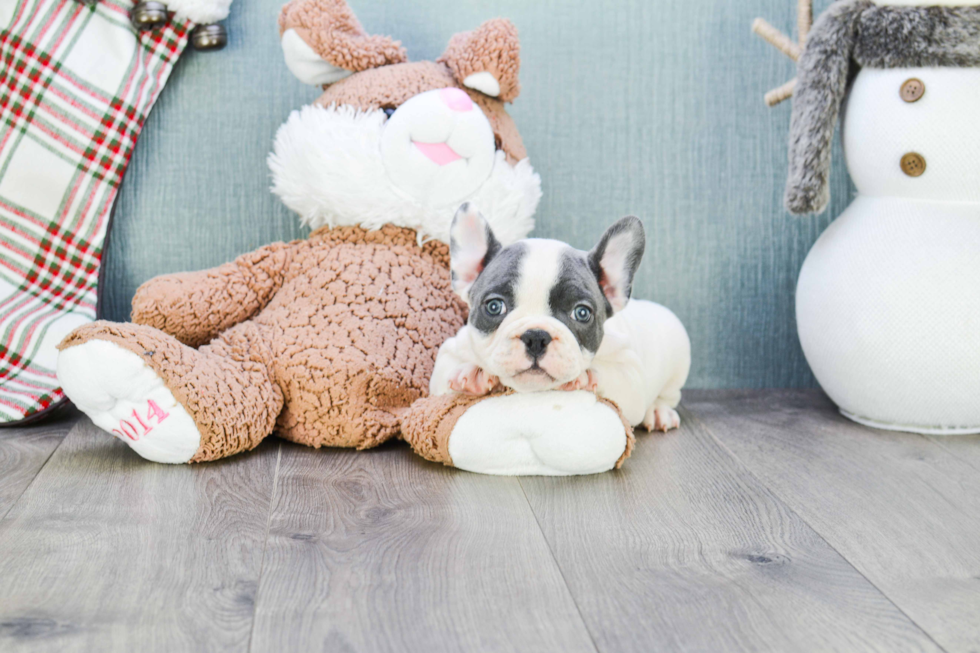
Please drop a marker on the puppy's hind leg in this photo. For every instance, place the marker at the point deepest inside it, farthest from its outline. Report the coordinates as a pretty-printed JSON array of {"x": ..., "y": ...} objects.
[{"x": 661, "y": 415}]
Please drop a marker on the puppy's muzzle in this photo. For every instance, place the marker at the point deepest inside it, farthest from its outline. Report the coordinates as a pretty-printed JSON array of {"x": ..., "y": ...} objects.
[{"x": 536, "y": 342}]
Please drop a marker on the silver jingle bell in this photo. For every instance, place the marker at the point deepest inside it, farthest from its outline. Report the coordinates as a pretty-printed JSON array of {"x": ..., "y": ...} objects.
[
  {"x": 212, "y": 36},
  {"x": 148, "y": 15}
]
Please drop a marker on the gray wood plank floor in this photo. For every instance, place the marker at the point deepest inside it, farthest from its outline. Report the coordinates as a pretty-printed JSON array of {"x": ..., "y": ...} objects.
[
  {"x": 23, "y": 452},
  {"x": 766, "y": 523}
]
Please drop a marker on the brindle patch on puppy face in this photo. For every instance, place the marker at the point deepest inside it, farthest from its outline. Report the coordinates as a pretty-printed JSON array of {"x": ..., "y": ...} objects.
[
  {"x": 497, "y": 281},
  {"x": 577, "y": 301}
]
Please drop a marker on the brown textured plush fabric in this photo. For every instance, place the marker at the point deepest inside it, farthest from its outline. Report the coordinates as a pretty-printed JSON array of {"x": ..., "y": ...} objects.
[
  {"x": 390, "y": 86},
  {"x": 194, "y": 307},
  {"x": 494, "y": 48},
  {"x": 339, "y": 336},
  {"x": 430, "y": 422},
  {"x": 332, "y": 30}
]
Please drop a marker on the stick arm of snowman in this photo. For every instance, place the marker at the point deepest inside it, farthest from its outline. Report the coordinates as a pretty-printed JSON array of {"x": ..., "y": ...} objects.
[{"x": 822, "y": 78}]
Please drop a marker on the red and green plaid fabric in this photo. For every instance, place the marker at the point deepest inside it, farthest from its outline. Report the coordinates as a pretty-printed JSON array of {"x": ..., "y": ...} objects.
[{"x": 76, "y": 83}]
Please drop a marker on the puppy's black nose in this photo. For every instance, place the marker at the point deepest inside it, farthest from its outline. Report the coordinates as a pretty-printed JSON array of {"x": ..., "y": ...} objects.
[{"x": 536, "y": 342}]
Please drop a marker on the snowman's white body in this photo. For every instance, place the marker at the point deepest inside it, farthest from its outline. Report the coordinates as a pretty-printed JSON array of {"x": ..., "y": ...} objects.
[{"x": 888, "y": 300}]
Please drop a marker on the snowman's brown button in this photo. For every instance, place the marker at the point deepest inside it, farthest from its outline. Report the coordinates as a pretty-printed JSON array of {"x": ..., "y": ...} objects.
[
  {"x": 913, "y": 90},
  {"x": 913, "y": 164}
]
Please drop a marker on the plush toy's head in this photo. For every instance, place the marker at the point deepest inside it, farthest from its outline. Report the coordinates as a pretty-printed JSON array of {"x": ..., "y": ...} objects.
[{"x": 398, "y": 142}]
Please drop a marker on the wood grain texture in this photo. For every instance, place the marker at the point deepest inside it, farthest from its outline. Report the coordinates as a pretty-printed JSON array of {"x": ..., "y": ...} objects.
[
  {"x": 23, "y": 452},
  {"x": 108, "y": 552},
  {"x": 626, "y": 106},
  {"x": 684, "y": 550},
  {"x": 901, "y": 508},
  {"x": 381, "y": 551},
  {"x": 964, "y": 447}
]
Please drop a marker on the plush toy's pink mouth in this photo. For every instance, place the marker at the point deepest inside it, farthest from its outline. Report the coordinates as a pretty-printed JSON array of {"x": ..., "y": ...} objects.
[{"x": 439, "y": 153}]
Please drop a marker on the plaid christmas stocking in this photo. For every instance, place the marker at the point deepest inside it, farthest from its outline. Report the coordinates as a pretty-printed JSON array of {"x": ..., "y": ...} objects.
[{"x": 76, "y": 83}]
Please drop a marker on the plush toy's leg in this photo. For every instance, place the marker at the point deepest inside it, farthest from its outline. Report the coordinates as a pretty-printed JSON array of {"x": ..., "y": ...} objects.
[{"x": 167, "y": 401}]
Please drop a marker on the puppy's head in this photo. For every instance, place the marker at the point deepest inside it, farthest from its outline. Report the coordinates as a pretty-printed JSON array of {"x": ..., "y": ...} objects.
[{"x": 537, "y": 307}]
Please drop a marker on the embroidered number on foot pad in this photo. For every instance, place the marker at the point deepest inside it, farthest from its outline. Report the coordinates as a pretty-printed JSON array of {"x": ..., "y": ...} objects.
[{"x": 128, "y": 430}]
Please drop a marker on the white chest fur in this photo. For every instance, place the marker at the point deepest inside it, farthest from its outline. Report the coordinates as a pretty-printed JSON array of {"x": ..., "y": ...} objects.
[{"x": 937, "y": 121}]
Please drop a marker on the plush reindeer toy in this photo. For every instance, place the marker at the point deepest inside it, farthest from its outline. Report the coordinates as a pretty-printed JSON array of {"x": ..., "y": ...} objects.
[{"x": 331, "y": 340}]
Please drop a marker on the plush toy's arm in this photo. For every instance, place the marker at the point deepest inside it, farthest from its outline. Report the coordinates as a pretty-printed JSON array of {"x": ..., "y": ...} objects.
[
  {"x": 579, "y": 433},
  {"x": 194, "y": 307},
  {"x": 822, "y": 83}
]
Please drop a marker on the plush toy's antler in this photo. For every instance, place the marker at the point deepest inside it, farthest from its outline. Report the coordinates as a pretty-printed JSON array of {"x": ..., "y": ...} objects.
[{"x": 785, "y": 44}]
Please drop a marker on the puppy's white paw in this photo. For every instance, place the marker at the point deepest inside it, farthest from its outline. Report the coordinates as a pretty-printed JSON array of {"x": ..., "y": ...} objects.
[
  {"x": 125, "y": 397},
  {"x": 587, "y": 380},
  {"x": 661, "y": 417},
  {"x": 472, "y": 380}
]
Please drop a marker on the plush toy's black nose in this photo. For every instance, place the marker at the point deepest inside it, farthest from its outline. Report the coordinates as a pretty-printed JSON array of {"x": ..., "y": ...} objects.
[{"x": 536, "y": 342}]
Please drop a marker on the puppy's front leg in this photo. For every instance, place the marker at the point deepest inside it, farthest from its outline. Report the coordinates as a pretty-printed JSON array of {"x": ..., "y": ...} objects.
[
  {"x": 472, "y": 380},
  {"x": 587, "y": 380},
  {"x": 456, "y": 369}
]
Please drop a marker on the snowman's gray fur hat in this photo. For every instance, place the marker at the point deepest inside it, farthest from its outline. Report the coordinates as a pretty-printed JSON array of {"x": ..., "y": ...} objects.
[{"x": 853, "y": 34}]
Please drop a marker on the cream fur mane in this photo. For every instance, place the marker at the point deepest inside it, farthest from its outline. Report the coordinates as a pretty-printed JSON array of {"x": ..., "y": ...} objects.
[{"x": 326, "y": 165}]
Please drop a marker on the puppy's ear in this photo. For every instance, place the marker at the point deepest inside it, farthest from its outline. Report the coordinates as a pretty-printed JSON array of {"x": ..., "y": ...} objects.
[
  {"x": 471, "y": 247},
  {"x": 615, "y": 259}
]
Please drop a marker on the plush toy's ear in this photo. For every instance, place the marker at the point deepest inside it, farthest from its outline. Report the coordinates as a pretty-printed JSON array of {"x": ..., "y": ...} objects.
[
  {"x": 323, "y": 42},
  {"x": 488, "y": 59},
  {"x": 615, "y": 259},
  {"x": 472, "y": 245}
]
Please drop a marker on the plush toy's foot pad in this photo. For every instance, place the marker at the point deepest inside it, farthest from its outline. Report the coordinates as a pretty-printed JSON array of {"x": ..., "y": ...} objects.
[
  {"x": 540, "y": 434},
  {"x": 125, "y": 397}
]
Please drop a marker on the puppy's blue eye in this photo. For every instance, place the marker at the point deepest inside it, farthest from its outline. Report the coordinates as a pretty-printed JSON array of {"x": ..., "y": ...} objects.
[
  {"x": 582, "y": 314},
  {"x": 495, "y": 307}
]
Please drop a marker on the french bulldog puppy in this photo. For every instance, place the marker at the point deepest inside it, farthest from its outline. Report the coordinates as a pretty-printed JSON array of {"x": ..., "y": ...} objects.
[{"x": 546, "y": 316}]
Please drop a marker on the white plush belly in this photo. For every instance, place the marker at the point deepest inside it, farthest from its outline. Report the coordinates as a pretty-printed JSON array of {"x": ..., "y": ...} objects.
[
  {"x": 942, "y": 126},
  {"x": 888, "y": 307},
  {"x": 538, "y": 434}
]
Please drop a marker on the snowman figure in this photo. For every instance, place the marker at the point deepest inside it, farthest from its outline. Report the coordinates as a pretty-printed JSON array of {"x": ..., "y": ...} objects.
[{"x": 888, "y": 299}]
